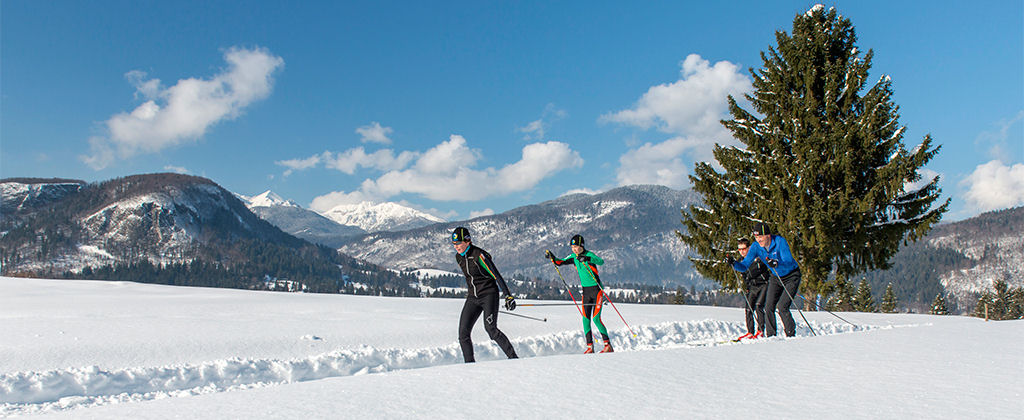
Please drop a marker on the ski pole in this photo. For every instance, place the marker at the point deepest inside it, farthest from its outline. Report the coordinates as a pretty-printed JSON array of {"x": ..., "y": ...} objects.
[
  {"x": 747, "y": 301},
  {"x": 826, "y": 310},
  {"x": 567, "y": 288},
  {"x": 616, "y": 309},
  {"x": 524, "y": 316},
  {"x": 546, "y": 304},
  {"x": 776, "y": 273}
]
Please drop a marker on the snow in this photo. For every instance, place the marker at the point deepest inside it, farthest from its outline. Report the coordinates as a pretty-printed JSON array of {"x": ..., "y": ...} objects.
[
  {"x": 87, "y": 349},
  {"x": 267, "y": 199},
  {"x": 380, "y": 217}
]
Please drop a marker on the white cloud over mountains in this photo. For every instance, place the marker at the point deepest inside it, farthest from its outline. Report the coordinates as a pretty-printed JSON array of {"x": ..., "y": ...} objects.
[
  {"x": 690, "y": 108},
  {"x": 993, "y": 186},
  {"x": 183, "y": 112},
  {"x": 445, "y": 172}
]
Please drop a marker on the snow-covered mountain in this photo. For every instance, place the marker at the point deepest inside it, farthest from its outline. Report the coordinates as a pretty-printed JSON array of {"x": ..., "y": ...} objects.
[
  {"x": 26, "y": 193},
  {"x": 994, "y": 245},
  {"x": 371, "y": 217},
  {"x": 631, "y": 228},
  {"x": 163, "y": 218},
  {"x": 267, "y": 199},
  {"x": 298, "y": 221}
]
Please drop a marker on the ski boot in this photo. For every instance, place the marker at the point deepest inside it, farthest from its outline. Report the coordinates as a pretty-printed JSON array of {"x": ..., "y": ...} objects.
[
  {"x": 744, "y": 336},
  {"x": 607, "y": 348},
  {"x": 590, "y": 349},
  {"x": 758, "y": 334}
]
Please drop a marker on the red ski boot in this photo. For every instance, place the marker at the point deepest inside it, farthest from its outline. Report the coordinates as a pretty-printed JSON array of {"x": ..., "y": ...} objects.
[
  {"x": 590, "y": 349},
  {"x": 607, "y": 348},
  {"x": 744, "y": 336},
  {"x": 758, "y": 334}
]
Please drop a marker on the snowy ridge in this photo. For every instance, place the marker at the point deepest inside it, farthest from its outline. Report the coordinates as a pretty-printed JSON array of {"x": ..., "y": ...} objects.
[
  {"x": 63, "y": 389},
  {"x": 266, "y": 199},
  {"x": 380, "y": 217}
]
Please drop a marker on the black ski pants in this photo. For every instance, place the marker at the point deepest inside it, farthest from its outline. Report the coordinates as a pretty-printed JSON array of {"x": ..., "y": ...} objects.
[
  {"x": 755, "y": 306},
  {"x": 780, "y": 300},
  {"x": 486, "y": 305}
]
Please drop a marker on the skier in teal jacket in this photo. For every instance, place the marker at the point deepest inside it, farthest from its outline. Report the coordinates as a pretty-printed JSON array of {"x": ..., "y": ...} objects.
[{"x": 586, "y": 263}]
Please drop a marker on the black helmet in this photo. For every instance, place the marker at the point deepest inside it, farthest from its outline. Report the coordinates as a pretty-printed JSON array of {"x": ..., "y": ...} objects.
[
  {"x": 760, "y": 228},
  {"x": 460, "y": 234},
  {"x": 576, "y": 240}
]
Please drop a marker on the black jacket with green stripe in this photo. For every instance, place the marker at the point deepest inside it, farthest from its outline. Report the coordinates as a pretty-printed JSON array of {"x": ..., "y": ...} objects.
[{"x": 482, "y": 277}]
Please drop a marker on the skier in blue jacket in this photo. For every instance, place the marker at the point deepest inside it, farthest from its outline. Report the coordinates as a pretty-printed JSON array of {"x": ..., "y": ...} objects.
[{"x": 774, "y": 251}]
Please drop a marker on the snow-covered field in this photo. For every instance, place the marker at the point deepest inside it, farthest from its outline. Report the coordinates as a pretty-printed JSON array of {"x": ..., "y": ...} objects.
[{"x": 84, "y": 349}]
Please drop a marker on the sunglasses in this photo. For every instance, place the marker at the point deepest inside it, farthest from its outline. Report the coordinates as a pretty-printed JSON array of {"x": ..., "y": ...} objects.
[{"x": 742, "y": 248}]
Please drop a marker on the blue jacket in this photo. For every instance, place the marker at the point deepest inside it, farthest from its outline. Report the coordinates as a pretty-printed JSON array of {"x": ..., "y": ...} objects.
[{"x": 778, "y": 249}]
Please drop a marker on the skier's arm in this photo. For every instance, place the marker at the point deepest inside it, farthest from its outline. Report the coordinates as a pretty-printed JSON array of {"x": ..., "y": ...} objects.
[
  {"x": 753, "y": 251},
  {"x": 594, "y": 259},
  {"x": 485, "y": 261}
]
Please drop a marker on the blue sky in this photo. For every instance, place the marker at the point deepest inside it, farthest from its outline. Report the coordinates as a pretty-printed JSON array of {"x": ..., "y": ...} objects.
[{"x": 466, "y": 108}]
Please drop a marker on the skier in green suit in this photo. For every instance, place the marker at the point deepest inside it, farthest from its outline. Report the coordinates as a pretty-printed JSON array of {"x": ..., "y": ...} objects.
[{"x": 586, "y": 263}]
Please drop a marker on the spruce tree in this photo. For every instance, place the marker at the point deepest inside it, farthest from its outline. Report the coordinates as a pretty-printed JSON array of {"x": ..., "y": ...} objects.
[
  {"x": 823, "y": 162},
  {"x": 889, "y": 300},
  {"x": 841, "y": 298},
  {"x": 939, "y": 305},
  {"x": 863, "y": 301}
]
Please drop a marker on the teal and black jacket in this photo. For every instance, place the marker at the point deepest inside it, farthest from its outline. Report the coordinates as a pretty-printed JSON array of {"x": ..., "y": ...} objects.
[
  {"x": 482, "y": 277},
  {"x": 586, "y": 270}
]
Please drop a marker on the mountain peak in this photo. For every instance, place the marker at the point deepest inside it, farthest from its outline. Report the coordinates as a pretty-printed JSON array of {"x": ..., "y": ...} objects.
[
  {"x": 375, "y": 217},
  {"x": 268, "y": 199}
]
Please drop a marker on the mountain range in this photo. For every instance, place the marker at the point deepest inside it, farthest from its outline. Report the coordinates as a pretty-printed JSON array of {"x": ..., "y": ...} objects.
[{"x": 60, "y": 225}]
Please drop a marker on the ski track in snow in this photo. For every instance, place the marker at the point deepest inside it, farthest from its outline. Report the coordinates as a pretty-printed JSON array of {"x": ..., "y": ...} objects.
[{"x": 64, "y": 389}]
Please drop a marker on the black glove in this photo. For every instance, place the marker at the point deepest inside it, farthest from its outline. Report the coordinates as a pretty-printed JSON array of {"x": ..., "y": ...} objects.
[
  {"x": 510, "y": 302},
  {"x": 583, "y": 259},
  {"x": 772, "y": 262},
  {"x": 729, "y": 259},
  {"x": 549, "y": 255}
]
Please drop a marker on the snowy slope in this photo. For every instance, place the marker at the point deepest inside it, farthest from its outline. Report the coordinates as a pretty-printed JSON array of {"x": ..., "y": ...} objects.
[
  {"x": 266, "y": 199},
  {"x": 391, "y": 217},
  {"x": 298, "y": 221},
  {"x": 82, "y": 349}
]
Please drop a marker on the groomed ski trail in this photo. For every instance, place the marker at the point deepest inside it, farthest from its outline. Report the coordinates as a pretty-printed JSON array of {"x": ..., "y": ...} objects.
[{"x": 64, "y": 389}]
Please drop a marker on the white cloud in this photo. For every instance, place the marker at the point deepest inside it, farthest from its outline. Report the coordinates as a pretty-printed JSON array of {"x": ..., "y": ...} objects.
[
  {"x": 331, "y": 200},
  {"x": 691, "y": 108},
  {"x": 484, "y": 212},
  {"x": 374, "y": 133},
  {"x": 658, "y": 164},
  {"x": 994, "y": 186},
  {"x": 184, "y": 112},
  {"x": 996, "y": 141},
  {"x": 350, "y": 160},
  {"x": 693, "y": 105},
  {"x": 176, "y": 169},
  {"x": 300, "y": 164},
  {"x": 536, "y": 130},
  {"x": 446, "y": 172}
]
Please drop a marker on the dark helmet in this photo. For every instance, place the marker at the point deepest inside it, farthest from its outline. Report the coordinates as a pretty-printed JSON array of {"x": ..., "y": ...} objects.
[
  {"x": 576, "y": 240},
  {"x": 460, "y": 234},
  {"x": 760, "y": 228}
]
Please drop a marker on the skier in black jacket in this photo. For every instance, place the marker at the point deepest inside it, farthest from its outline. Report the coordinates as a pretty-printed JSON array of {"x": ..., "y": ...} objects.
[
  {"x": 755, "y": 281},
  {"x": 483, "y": 282}
]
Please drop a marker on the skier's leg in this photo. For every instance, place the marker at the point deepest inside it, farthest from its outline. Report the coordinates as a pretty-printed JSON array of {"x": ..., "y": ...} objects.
[
  {"x": 759, "y": 295},
  {"x": 792, "y": 283},
  {"x": 597, "y": 317},
  {"x": 771, "y": 300},
  {"x": 491, "y": 326},
  {"x": 748, "y": 312},
  {"x": 470, "y": 313}
]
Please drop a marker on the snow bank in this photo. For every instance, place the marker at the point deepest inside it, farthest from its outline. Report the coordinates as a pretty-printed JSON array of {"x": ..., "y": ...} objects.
[{"x": 61, "y": 389}]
